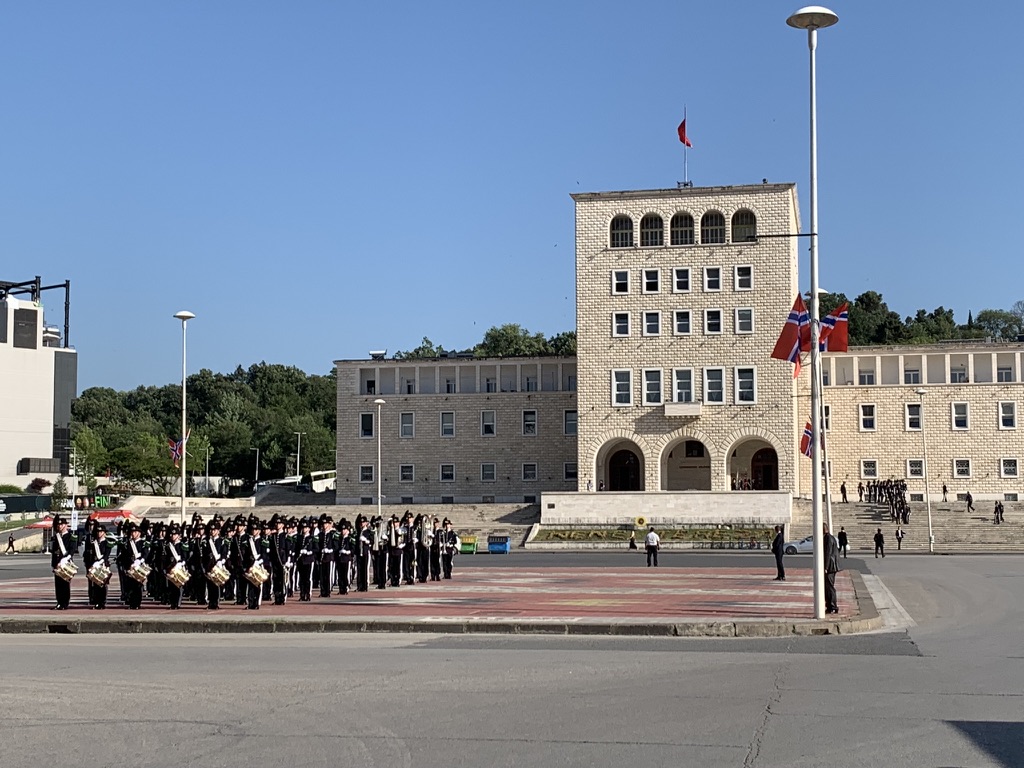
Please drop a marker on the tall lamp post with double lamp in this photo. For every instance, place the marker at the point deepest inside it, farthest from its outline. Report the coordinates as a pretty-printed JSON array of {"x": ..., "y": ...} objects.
[
  {"x": 379, "y": 402},
  {"x": 927, "y": 489},
  {"x": 298, "y": 460},
  {"x": 256, "y": 482},
  {"x": 184, "y": 316},
  {"x": 812, "y": 18}
]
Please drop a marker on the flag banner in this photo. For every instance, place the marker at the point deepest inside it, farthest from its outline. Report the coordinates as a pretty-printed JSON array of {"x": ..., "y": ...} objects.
[
  {"x": 177, "y": 447},
  {"x": 795, "y": 335},
  {"x": 834, "y": 335},
  {"x": 805, "y": 441},
  {"x": 681, "y": 130}
]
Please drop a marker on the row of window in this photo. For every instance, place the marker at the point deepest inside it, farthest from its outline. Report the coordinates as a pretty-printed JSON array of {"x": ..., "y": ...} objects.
[
  {"x": 488, "y": 423},
  {"x": 681, "y": 229},
  {"x": 488, "y": 472},
  {"x": 960, "y": 468},
  {"x": 488, "y": 384},
  {"x": 957, "y": 375},
  {"x": 682, "y": 383},
  {"x": 959, "y": 416},
  {"x": 651, "y": 282},
  {"x": 682, "y": 323}
]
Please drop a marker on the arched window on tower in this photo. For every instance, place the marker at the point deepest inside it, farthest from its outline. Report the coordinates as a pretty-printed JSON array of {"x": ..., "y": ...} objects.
[
  {"x": 744, "y": 226},
  {"x": 622, "y": 232},
  {"x": 652, "y": 231},
  {"x": 712, "y": 228},
  {"x": 681, "y": 229}
]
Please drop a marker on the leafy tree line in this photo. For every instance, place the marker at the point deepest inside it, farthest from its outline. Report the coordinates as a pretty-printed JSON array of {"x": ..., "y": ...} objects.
[
  {"x": 509, "y": 340},
  {"x": 125, "y": 434}
]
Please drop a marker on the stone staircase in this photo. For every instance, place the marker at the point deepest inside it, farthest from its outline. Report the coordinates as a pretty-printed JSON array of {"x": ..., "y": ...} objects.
[{"x": 955, "y": 529}]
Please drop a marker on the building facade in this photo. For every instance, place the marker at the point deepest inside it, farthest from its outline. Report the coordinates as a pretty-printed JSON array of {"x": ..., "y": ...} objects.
[
  {"x": 456, "y": 430},
  {"x": 38, "y": 381}
]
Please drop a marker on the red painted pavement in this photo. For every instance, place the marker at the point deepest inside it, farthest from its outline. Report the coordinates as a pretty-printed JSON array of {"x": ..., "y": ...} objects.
[{"x": 566, "y": 594}]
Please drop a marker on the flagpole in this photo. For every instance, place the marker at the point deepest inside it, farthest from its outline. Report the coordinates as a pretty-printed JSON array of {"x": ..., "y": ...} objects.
[
  {"x": 686, "y": 172},
  {"x": 184, "y": 316},
  {"x": 827, "y": 476}
]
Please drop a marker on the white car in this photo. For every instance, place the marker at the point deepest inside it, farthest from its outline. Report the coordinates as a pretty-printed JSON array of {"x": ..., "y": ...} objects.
[{"x": 803, "y": 547}]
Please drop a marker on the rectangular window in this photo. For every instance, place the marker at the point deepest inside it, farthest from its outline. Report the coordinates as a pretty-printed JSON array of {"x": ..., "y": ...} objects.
[
  {"x": 447, "y": 474},
  {"x": 682, "y": 387},
  {"x": 958, "y": 375},
  {"x": 1008, "y": 468},
  {"x": 866, "y": 378},
  {"x": 487, "y": 426},
  {"x": 531, "y": 384},
  {"x": 490, "y": 384},
  {"x": 913, "y": 417},
  {"x": 529, "y": 472},
  {"x": 867, "y": 417},
  {"x": 825, "y": 378},
  {"x": 744, "y": 278},
  {"x": 406, "y": 473},
  {"x": 569, "y": 423},
  {"x": 682, "y": 322},
  {"x": 620, "y": 281},
  {"x": 406, "y": 499},
  {"x": 569, "y": 471},
  {"x": 366, "y": 473},
  {"x": 622, "y": 387},
  {"x": 366, "y": 425},
  {"x": 915, "y": 467},
  {"x": 652, "y": 387},
  {"x": 744, "y": 320},
  {"x": 869, "y": 469},
  {"x": 652, "y": 281},
  {"x": 712, "y": 278},
  {"x": 1010, "y": 497},
  {"x": 1007, "y": 415},
  {"x": 405, "y": 425},
  {"x": 449, "y": 386},
  {"x": 447, "y": 499},
  {"x": 447, "y": 423},
  {"x": 487, "y": 472},
  {"x": 714, "y": 385},
  {"x": 1004, "y": 375},
  {"x": 681, "y": 280},
  {"x": 746, "y": 386},
  {"x": 828, "y": 416},
  {"x": 961, "y": 467},
  {"x": 959, "y": 413},
  {"x": 911, "y": 376},
  {"x": 530, "y": 423},
  {"x": 652, "y": 323},
  {"x": 712, "y": 321},
  {"x": 620, "y": 324}
]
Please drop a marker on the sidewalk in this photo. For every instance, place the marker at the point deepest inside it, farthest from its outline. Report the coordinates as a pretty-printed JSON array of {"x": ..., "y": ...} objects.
[{"x": 682, "y": 602}]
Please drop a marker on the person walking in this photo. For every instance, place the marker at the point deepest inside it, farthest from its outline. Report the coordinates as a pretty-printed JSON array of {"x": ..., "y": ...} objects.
[
  {"x": 830, "y": 554},
  {"x": 778, "y": 549},
  {"x": 879, "y": 543},
  {"x": 970, "y": 502},
  {"x": 844, "y": 542},
  {"x": 651, "y": 544},
  {"x": 10, "y": 546},
  {"x": 842, "y": 491},
  {"x": 860, "y": 492},
  {"x": 945, "y": 490},
  {"x": 996, "y": 515},
  {"x": 899, "y": 538}
]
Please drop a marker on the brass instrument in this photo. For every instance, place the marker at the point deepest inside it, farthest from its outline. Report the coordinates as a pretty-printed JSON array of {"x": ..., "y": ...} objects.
[
  {"x": 178, "y": 575},
  {"x": 66, "y": 569},
  {"x": 99, "y": 574},
  {"x": 140, "y": 571},
  {"x": 257, "y": 574},
  {"x": 219, "y": 574}
]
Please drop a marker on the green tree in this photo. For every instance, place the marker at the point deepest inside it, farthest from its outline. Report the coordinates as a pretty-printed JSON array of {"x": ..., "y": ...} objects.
[
  {"x": 90, "y": 456},
  {"x": 999, "y": 323},
  {"x": 59, "y": 495},
  {"x": 511, "y": 340},
  {"x": 563, "y": 344},
  {"x": 425, "y": 351}
]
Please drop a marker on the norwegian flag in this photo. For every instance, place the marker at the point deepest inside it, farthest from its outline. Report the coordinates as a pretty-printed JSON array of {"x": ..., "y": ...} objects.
[
  {"x": 795, "y": 335},
  {"x": 834, "y": 335},
  {"x": 805, "y": 441},
  {"x": 177, "y": 448}
]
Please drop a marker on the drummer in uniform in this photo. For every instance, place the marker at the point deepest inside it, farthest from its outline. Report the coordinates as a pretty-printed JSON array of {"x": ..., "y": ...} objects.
[
  {"x": 62, "y": 550},
  {"x": 97, "y": 551}
]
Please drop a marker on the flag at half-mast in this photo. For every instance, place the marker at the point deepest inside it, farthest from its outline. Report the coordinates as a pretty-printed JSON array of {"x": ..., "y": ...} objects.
[
  {"x": 795, "y": 335},
  {"x": 177, "y": 448},
  {"x": 805, "y": 441},
  {"x": 834, "y": 335},
  {"x": 681, "y": 130}
]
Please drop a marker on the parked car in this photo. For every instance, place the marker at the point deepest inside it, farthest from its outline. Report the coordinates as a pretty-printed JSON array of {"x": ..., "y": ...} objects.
[{"x": 803, "y": 547}]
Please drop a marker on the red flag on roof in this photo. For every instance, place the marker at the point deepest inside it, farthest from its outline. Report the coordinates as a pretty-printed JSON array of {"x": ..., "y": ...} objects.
[{"x": 682, "y": 133}]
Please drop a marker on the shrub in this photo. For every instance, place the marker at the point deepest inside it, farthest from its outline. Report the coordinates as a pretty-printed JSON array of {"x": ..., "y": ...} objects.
[{"x": 37, "y": 485}]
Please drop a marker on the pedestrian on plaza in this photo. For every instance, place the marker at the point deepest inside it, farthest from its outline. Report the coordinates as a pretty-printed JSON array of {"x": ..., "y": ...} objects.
[
  {"x": 844, "y": 542},
  {"x": 879, "y": 543},
  {"x": 997, "y": 520},
  {"x": 632, "y": 540},
  {"x": 600, "y": 485},
  {"x": 899, "y": 538},
  {"x": 970, "y": 502},
  {"x": 830, "y": 553},
  {"x": 1002, "y": 509},
  {"x": 945, "y": 490},
  {"x": 10, "y": 545},
  {"x": 778, "y": 549},
  {"x": 652, "y": 543},
  {"x": 860, "y": 491},
  {"x": 842, "y": 491}
]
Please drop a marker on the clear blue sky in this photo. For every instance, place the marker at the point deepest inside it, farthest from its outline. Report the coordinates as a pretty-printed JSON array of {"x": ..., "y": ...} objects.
[{"x": 318, "y": 179}]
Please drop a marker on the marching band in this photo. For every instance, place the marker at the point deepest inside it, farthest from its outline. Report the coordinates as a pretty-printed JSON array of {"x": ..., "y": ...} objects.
[{"x": 249, "y": 561}]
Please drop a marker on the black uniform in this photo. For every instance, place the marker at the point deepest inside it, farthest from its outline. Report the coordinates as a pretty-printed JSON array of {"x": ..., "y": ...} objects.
[
  {"x": 97, "y": 551},
  {"x": 214, "y": 550},
  {"x": 173, "y": 555},
  {"x": 249, "y": 555},
  {"x": 364, "y": 548},
  {"x": 328, "y": 542},
  {"x": 435, "y": 553},
  {"x": 62, "y": 547},
  {"x": 306, "y": 558},
  {"x": 130, "y": 552},
  {"x": 347, "y": 547},
  {"x": 449, "y": 549}
]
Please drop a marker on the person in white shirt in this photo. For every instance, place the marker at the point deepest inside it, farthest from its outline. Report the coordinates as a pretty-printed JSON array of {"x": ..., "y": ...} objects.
[{"x": 651, "y": 544}]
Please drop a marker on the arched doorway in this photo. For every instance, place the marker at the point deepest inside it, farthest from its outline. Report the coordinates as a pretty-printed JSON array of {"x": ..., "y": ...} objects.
[
  {"x": 686, "y": 466},
  {"x": 764, "y": 469},
  {"x": 624, "y": 471}
]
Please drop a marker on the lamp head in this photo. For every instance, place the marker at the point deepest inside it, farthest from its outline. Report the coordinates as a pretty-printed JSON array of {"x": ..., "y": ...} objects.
[
  {"x": 922, "y": 391},
  {"x": 812, "y": 17},
  {"x": 378, "y": 401},
  {"x": 184, "y": 315}
]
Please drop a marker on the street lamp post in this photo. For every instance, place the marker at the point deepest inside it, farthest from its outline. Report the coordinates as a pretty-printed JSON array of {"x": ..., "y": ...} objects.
[
  {"x": 298, "y": 460},
  {"x": 378, "y": 402},
  {"x": 812, "y": 18},
  {"x": 927, "y": 489},
  {"x": 184, "y": 316},
  {"x": 256, "y": 482}
]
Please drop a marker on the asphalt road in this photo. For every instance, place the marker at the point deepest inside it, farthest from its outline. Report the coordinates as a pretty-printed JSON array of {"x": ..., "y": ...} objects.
[{"x": 946, "y": 691}]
